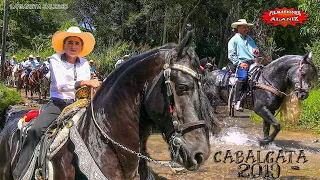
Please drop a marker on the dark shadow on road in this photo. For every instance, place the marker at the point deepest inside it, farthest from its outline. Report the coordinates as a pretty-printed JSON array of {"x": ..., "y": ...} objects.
[{"x": 291, "y": 144}]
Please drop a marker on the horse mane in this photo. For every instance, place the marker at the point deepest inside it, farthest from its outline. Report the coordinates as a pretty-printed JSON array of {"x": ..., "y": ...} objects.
[
  {"x": 284, "y": 60},
  {"x": 295, "y": 58}
]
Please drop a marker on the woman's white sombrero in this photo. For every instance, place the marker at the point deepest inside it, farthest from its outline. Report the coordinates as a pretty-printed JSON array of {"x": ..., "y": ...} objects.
[
  {"x": 240, "y": 22},
  {"x": 87, "y": 38}
]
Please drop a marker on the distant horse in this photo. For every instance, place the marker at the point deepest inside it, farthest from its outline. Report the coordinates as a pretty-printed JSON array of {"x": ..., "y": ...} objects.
[
  {"x": 158, "y": 87},
  {"x": 15, "y": 75},
  {"x": 268, "y": 88},
  {"x": 45, "y": 83},
  {"x": 7, "y": 72},
  {"x": 22, "y": 79},
  {"x": 33, "y": 82},
  {"x": 208, "y": 63}
]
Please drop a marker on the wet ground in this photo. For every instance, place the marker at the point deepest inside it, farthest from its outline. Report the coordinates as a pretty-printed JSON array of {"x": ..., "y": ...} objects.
[{"x": 240, "y": 134}]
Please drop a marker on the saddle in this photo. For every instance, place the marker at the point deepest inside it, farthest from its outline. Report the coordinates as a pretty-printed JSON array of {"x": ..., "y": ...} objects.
[
  {"x": 228, "y": 80},
  {"x": 56, "y": 134}
]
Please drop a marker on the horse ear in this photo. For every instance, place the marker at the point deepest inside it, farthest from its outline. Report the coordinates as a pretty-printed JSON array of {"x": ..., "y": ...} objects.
[
  {"x": 307, "y": 58},
  {"x": 184, "y": 43}
]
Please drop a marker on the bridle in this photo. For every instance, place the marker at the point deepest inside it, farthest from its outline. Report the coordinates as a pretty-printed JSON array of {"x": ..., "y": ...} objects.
[
  {"x": 179, "y": 129},
  {"x": 276, "y": 91},
  {"x": 299, "y": 88}
]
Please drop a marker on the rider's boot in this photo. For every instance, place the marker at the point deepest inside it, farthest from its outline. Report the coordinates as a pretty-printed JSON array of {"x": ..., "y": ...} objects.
[{"x": 237, "y": 96}]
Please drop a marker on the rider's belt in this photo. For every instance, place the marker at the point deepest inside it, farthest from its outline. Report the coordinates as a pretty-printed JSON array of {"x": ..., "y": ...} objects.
[{"x": 62, "y": 101}]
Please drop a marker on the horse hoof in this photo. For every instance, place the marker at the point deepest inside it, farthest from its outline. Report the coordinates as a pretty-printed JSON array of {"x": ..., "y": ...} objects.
[{"x": 264, "y": 142}]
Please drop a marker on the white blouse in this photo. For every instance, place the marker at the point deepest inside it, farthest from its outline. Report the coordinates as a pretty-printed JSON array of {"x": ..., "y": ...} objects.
[{"x": 65, "y": 76}]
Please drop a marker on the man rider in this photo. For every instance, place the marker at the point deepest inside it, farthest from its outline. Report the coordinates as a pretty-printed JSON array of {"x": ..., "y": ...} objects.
[
  {"x": 30, "y": 65},
  {"x": 242, "y": 51},
  {"x": 13, "y": 61}
]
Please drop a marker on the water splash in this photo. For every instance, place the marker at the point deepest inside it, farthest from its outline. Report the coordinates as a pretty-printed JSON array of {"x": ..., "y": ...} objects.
[{"x": 234, "y": 136}]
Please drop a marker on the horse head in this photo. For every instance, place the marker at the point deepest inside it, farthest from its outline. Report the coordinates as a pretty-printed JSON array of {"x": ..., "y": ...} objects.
[
  {"x": 301, "y": 76},
  {"x": 176, "y": 103}
]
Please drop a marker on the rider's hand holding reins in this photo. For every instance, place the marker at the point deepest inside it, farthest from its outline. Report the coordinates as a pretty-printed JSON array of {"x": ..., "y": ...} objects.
[
  {"x": 257, "y": 56},
  {"x": 92, "y": 83}
]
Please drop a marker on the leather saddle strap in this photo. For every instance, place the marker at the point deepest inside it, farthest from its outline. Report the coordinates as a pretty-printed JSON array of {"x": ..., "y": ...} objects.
[{"x": 269, "y": 88}]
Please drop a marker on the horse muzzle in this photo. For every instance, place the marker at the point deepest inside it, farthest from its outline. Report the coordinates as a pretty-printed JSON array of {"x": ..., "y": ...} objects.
[
  {"x": 191, "y": 153},
  {"x": 302, "y": 95}
]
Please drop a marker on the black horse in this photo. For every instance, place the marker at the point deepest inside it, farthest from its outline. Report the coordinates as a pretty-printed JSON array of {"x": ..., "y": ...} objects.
[
  {"x": 158, "y": 87},
  {"x": 208, "y": 63},
  {"x": 291, "y": 71}
]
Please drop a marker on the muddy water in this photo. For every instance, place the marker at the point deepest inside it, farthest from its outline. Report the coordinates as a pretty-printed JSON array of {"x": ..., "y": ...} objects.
[{"x": 240, "y": 134}]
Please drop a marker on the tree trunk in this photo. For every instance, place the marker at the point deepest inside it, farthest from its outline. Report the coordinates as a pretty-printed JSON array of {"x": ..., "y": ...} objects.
[
  {"x": 164, "y": 35},
  {"x": 4, "y": 36}
]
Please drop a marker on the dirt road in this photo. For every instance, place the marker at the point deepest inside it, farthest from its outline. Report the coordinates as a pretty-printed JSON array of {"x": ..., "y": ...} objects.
[{"x": 242, "y": 135}]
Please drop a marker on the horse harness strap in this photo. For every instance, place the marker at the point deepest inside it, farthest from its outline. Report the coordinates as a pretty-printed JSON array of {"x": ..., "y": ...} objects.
[
  {"x": 187, "y": 127},
  {"x": 300, "y": 77},
  {"x": 278, "y": 92},
  {"x": 271, "y": 89}
]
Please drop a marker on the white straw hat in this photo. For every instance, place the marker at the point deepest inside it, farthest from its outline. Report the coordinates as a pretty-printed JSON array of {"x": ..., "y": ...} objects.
[{"x": 240, "y": 22}]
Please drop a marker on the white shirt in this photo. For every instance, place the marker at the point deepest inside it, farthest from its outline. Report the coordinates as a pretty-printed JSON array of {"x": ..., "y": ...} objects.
[
  {"x": 46, "y": 63},
  {"x": 118, "y": 63},
  {"x": 64, "y": 75}
]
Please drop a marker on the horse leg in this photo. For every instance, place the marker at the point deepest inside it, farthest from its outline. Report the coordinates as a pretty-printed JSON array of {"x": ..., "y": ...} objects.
[
  {"x": 145, "y": 172},
  {"x": 62, "y": 164},
  {"x": 266, "y": 128},
  {"x": 26, "y": 88},
  {"x": 5, "y": 163},
  {"x": 268, "y": 117}
]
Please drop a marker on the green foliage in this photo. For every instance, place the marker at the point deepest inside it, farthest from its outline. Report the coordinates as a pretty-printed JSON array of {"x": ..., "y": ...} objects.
[
  {"x": 106, "y": 59},
  {"x": 8, "y": 97},
  {"x": 310, "y": 116},
  {"x": 315, "y": 49},
  {"x": 256, "y": 118},
  {"x": 311, "y": 27},
  {"x": 154, "y": 22}
]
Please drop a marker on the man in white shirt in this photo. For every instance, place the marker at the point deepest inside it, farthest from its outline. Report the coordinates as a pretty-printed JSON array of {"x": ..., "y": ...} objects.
[
  {"x": 120, "y": 61},
  {"x": 69, "y": 71}
]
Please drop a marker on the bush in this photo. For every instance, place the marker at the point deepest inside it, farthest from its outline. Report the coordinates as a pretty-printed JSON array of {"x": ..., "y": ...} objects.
[
  {"x": 107, "y": 58},
  {"x": 8, "y": 97},
  {"x": 315, "y": 49},
  {"x": 310, "y": 116}
]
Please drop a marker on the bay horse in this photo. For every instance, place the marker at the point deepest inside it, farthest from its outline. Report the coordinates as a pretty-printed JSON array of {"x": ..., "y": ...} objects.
[
  {"x": 285, "y": 73},
  {"x": 45, "y": 82},
  {"x": 22, "y": 79},
  {"x": 7, "y": 72},
  {"x": 159, "y": 87},
  {"x": 33, "y": 82}
]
